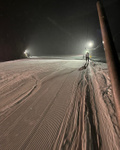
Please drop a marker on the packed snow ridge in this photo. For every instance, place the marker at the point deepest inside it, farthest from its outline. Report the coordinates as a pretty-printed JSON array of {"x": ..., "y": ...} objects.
[{"x": 55, "y": 104}]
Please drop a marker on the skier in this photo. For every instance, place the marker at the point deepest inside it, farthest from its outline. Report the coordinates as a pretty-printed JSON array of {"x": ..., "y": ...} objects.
[{"x": 87, "y": 57}]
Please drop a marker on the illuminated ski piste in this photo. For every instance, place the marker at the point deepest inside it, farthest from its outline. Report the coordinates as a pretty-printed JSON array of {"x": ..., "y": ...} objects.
[{"x": 56, "y": 104}]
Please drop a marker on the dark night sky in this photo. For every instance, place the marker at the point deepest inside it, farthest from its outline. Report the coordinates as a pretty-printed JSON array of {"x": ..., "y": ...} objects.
[{"x": 53, "y": 27}]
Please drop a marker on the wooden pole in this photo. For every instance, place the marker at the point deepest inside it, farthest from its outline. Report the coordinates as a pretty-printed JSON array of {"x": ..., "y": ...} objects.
[{"x": 111, "y": 58}]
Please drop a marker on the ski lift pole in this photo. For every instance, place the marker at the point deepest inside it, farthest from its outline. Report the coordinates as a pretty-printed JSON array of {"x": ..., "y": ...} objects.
[{"x": 111, "y": 58}]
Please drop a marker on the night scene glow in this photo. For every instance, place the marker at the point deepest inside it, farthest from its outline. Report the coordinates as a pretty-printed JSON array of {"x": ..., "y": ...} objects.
[{"x": 59, "y": 75}]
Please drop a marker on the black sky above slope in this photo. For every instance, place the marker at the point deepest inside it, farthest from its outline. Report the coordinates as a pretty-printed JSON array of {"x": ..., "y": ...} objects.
[{"x": 53, "y": 27}]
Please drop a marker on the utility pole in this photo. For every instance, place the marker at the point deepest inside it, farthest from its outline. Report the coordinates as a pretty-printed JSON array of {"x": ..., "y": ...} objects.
[{"x": 111, "y": 58}]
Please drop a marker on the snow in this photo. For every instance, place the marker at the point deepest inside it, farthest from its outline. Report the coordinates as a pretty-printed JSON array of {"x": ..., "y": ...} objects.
[{"x": 57, "y": 104}]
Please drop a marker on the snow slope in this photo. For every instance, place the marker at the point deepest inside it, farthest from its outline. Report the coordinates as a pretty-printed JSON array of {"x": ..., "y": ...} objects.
[{"x": 56, "y": 104}]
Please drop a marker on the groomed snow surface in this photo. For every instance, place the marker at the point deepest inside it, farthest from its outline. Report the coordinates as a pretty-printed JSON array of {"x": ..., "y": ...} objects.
[{"x": 53, "y": 104}]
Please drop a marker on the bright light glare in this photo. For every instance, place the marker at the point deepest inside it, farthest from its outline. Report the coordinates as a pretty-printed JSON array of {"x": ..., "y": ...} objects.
[
  {"x": 26, "y": 51},
  {"x": 90, "y": 44}
]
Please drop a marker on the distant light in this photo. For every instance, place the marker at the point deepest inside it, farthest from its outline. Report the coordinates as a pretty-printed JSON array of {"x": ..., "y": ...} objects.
[
  {"x": 26, "y": 52},
  {"x": 103, "y": 42}
]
